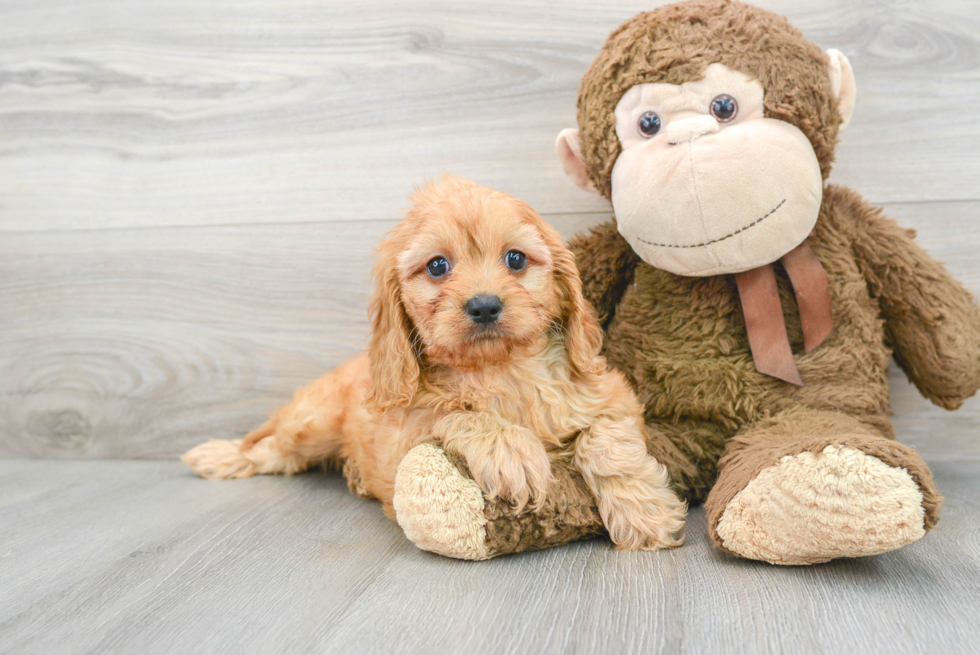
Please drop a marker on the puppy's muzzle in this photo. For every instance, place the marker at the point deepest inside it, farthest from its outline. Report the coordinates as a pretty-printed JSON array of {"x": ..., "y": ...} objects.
[{"x": 484, "y": 309}]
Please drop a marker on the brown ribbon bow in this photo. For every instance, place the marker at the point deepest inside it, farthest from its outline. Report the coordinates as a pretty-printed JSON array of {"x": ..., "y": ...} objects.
[{"x": 764, "y": 313}]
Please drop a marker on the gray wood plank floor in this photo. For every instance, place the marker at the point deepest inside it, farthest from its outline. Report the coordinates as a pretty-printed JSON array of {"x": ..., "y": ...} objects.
[
  {"x": 141, "y": 557},
  {"x": 190, "y": 193}
]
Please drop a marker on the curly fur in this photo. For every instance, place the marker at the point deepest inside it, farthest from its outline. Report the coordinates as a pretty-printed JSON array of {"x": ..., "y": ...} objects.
[{"x": 507, "y": 397}]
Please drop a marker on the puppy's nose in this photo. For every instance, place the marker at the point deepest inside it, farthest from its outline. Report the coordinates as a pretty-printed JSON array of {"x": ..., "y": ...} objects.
[{"x": 484, "y": 309}]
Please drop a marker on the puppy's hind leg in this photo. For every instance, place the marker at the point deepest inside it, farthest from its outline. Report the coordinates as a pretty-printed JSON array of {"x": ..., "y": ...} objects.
[
  {"x": 222, "y": 459},
  {"x": 631, "y": 488},
  {"x": 260, "y": 452},
  {"x": 305, "y": 432}
]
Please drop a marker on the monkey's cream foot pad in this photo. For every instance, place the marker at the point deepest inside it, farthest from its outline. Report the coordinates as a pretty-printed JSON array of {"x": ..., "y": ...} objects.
[
  {"x": 439, "y": 509},
  {"x": 814, "y": 507}
]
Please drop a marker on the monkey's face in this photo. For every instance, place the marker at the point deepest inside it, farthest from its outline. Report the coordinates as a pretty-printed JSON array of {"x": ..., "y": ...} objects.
[{"x": 706, "y": 184}]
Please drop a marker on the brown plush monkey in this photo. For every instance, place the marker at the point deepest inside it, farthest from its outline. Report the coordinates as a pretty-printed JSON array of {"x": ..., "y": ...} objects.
[{"x": 752, "y": 307}]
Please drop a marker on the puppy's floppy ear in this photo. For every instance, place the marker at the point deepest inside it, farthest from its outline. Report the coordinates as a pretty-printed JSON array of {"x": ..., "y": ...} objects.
[
  {"x": 583, "y": 335},
  {"x": 394, "y": 361}
]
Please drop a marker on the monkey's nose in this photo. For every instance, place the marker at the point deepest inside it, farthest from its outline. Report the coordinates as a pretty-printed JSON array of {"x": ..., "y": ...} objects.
[
  {"x": 484, "y": 309},
  {"x": 688, "y": 129}
]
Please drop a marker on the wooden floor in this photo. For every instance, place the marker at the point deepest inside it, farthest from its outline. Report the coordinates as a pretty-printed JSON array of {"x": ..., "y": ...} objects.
[
  {"x": 190, "y": 193},
  {"x": 141, "y": 557}
]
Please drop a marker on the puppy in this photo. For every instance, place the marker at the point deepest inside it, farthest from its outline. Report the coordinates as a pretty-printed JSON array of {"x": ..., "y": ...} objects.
[{"x": 481, "y": 341}]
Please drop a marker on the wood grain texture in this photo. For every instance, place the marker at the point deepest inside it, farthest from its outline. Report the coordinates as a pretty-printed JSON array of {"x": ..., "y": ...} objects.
[
  {"x": 190, "y": 194},
  {"x": 176, "y": 112},
  {"x": 142, "y": 343},
  {"x": 141, "y": 557}
]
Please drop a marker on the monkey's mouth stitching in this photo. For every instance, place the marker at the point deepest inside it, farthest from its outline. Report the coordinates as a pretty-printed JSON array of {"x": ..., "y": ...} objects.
[{"x": 727, "y": 236}]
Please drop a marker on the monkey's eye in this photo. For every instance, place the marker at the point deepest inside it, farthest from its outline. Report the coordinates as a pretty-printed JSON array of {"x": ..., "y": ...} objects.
[
  {"x": 724, "y": 108},
  {"x": 437, "y": 267},
  {"x": 649, "y": 124},
  {"x": 515, "y": 260}
]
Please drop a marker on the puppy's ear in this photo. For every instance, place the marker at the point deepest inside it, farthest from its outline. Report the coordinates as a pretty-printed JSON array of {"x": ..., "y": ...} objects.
[
  {"x": 394, "y": 362},
  {"x": 583, "y": 335}
]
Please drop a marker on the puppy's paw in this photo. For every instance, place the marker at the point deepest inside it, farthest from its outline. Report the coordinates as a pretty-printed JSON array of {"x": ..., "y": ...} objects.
[
  {"x": 219, "y": 459},
  {"x": 633, "y": 526},
  {"x": 515, "y": 468},
  {"x": 642, "y": 513}
]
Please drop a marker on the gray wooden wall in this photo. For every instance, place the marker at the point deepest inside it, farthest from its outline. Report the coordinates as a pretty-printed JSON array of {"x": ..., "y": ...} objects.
[{"x": 190, "y": 191}]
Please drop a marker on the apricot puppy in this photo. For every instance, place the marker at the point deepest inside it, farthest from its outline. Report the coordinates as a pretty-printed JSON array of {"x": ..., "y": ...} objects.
[{"x": 481, "y": 341}]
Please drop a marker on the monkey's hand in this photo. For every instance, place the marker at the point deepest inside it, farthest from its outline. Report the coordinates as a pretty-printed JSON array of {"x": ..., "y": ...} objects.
[
  {"x": 507, "y": 461},
  {"x": 931, "y": 320}
]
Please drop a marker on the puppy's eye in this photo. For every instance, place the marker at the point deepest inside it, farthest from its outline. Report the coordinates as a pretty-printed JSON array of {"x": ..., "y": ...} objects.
[
  {"x": 649, "y": 124},
  {"x": 516, "y": 260},
  {"x": 724, "y": 108},
  {"x": 437, "y": 267}
]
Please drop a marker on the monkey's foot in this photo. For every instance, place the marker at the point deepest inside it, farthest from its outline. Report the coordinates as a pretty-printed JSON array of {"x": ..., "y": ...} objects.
[
  {"x": 440, "y": 509},
  {"x": 817, "y": 506},
  {"x": 443, "y": 510}
]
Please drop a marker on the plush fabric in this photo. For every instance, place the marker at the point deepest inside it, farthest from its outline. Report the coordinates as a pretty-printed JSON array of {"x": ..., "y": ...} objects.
[
  {"x": 709, "y": 216},
  {"x": 676, "y": 43},
  {"x": 792, "y": 512},
  {"x": 822, "y": 492},
  {"x": 789, "y": 474},
  {"x": 569, "y": 514},
  {"x": 681, "y": 341},
  {"x": 440, "y": 510}
]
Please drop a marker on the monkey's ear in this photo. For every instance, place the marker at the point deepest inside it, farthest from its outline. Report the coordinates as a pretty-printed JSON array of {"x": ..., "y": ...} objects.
[
  {"x": 570, "y": 155},
  {"x": 842, "y": 84}
]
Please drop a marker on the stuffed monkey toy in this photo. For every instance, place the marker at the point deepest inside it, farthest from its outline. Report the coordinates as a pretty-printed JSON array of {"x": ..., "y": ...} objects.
[{"x": 752, "y": 306}]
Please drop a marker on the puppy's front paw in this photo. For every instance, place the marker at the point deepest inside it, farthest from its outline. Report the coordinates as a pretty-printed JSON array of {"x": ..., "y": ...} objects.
[
  {"x": 642, "y": 513},
  {"x": 219, "y": 459},
  {"x": 637, "y": 526},
  {"x": 514, "y": 468}
]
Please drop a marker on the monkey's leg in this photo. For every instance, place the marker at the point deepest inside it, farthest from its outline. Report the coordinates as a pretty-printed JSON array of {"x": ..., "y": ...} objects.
[
  {"x": 442, "y": 510},
  {"x": 808, "y": 486},
  {"x": 690, "y": 451}
]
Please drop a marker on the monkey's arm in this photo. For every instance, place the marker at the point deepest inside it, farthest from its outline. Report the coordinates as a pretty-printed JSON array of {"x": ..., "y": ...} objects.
[
  {"x": 605, "y": 263},
  {"x": 932, "y": 322}
]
